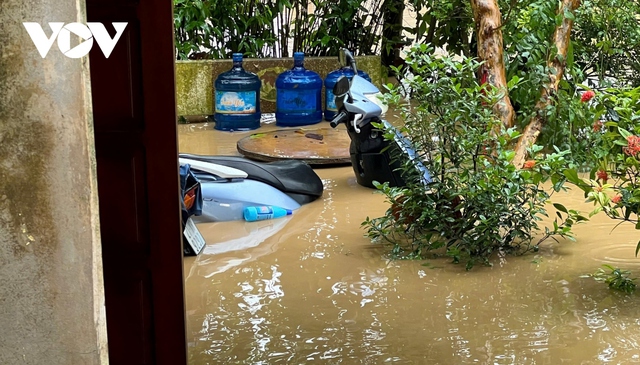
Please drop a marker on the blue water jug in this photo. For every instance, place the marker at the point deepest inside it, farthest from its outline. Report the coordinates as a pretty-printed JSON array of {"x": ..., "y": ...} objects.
[
  {"x": 298, "y": 95},
  {"x": 237, "y": 98},
  {"x": 330, "y": 108}
]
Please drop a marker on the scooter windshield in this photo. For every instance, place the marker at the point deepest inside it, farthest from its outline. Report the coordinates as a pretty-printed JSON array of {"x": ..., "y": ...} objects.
[{"x": 363, "y": 86}]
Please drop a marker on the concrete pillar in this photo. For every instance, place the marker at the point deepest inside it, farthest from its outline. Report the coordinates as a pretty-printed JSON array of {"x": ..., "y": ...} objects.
[{"x": 51, "y": 290}]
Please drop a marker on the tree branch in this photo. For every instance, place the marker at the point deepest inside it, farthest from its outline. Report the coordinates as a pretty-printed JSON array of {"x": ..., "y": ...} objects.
[{"x": 556, "y": 66}]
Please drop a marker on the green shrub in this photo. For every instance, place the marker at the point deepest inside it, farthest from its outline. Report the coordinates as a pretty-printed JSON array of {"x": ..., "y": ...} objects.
[
  {"x": 478, "y": 203},
  {"x": 614, "y": 183},
  {"x": 207, "y": 29},
  {"x": 270, "y": 28}
]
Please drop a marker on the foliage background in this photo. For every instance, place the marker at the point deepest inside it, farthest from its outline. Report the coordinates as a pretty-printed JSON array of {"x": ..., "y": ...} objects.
[{"x": 270, "y": 28}]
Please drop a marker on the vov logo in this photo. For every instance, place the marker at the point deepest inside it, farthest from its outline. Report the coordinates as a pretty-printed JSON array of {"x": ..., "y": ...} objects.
[{"x": 62, "y": 32}]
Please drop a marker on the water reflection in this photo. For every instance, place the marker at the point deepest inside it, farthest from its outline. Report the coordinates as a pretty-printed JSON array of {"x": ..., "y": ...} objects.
[{"x": 311, "y": 288}]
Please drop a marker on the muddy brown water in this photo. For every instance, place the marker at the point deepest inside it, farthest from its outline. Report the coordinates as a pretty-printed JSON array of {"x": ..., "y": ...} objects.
[{"x": 311, "y": 288}]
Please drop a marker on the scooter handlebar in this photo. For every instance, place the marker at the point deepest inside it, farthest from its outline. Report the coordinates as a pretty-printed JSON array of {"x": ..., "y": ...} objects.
[{"x": 341, "y": 117}]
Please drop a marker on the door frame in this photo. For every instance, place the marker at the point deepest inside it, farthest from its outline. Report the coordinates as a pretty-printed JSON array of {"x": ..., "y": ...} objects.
[{"x": 140, "y": 139}]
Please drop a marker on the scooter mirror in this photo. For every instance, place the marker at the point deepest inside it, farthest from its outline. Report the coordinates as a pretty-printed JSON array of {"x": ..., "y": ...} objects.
[
  {"x": 341, "y": 87},
  {"x": 345, "y": 58},
  {"x": 342, "y": 57}
]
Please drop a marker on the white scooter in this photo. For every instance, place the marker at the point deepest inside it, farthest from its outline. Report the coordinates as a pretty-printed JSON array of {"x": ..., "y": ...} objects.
[
  {"x": 373, "y": 158},
  {"x": 230, "y": 183}
]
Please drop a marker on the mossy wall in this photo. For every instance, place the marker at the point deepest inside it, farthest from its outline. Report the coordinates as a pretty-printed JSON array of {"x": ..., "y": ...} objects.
[
  {"x": 194, "y": 79},
  {"x": 52, "y": 306},
  {"x": 193, "y": 87}
]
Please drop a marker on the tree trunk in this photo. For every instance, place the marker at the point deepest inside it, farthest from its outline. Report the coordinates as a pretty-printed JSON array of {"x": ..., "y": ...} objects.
[
  {"x": 392, "y": 11},
  {"x": 486, "y": 14},
  {"x": 556, "y": 65}
]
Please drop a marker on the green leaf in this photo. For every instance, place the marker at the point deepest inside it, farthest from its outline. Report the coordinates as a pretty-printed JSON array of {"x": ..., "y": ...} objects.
[
  {"x": 569, "y": 15},
  {"x": 560, "y": 207},
  {"x": 513, "y": 82},
  {"x": 624, "y": 133},
  {"x": 637, "y": 248},
  {"x": 570, "y": 55},
  {"x": 571, "y": 175},
  {"x": 558, "y": 19}
]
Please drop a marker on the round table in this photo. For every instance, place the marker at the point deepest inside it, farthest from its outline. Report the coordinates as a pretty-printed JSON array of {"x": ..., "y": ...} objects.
[{"x": 315, "y": 146}]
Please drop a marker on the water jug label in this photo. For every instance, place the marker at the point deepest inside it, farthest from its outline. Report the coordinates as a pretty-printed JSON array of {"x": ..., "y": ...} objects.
[
  {"x": 331, "y": 101},
  {"x": 296, "y": 101},
  {"x": 235, "y": 102}
]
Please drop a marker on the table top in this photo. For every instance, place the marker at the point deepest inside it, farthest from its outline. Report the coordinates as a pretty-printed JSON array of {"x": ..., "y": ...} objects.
[{"x": 315, "y": 145}]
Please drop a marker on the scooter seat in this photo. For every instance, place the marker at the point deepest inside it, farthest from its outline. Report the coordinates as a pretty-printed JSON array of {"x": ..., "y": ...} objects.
[{"x": 293, "y": 177}]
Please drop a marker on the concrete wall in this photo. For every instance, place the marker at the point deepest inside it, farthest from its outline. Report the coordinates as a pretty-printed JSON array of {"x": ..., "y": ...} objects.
[{"x": 51, "y": 290}]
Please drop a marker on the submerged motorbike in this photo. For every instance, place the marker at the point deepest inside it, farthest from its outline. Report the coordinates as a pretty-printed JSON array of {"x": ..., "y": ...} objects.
[
  {"x": 230, "y": 183},
  {"x": 373, "y": 157}
]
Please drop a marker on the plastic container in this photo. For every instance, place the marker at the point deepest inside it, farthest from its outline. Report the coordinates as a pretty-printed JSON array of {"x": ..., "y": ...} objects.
[
  {"x": 298, "y": 95},
  {"x": 237, "y": 98},
  {"x": 259, "y": 213},
  {"x": 330, "y": 108}
]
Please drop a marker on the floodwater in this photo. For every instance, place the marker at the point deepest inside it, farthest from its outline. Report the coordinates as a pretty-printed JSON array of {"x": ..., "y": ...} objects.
[{"x": 310, "y": 288}]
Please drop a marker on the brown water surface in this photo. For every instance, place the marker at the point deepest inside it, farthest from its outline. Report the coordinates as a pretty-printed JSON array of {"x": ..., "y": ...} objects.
[{"x": 310, "y": 288}]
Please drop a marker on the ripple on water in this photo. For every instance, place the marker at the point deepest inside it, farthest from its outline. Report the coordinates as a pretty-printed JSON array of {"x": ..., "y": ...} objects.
[
  {"x": 619, "y": 254},
  {"x": 604, "y": 240}
]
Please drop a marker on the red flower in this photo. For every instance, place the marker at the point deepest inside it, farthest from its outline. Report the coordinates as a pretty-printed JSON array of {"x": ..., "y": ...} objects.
[
  {"x": 616, "y": 199},
  {"x": 597, "y": 125},
  {"x": 529, "y": 164},
  {"x": 602, "y": 175},
  {"x": 633, "y": 146},
  {"x": 588, "y": 95}
]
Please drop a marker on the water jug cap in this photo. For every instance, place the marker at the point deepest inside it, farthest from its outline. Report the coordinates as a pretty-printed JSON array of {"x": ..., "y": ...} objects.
[
  {"x": 298, "y": 56},
  {"x": 237, "y": 57}
]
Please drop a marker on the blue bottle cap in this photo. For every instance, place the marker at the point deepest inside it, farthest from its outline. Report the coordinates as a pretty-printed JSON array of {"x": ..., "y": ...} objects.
[
  {"x": 298, "y": 56},
  {"x": 237, "y": 57},
  {"x": 250, "y": 214}
]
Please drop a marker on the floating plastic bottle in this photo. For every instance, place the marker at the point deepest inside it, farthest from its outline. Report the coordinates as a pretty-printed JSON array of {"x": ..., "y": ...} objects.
[
  {"x": 252, "y": 214},
  {"x": 237, "y": 98},
  {"x": 330, "y": 108},
  {"x": 298, "y": 95}
]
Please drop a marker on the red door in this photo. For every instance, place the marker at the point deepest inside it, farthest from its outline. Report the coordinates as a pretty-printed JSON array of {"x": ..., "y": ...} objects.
[{"x": 138, "y": 184}]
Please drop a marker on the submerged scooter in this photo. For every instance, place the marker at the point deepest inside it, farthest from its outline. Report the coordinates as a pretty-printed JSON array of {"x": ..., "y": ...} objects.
[
  {"x": 373, "y": 157},
  {"x": 230, "y": 183}
]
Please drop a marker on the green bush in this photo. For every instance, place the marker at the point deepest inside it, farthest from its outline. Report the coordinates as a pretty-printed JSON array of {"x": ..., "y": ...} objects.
[
  {"x": 478, "y": 203},
  {"x": 603, "y": 52},
  {"x": 606, "y": 40},
  {"x": 215, "y": 28},
  {"x": 614, "y": 182},
  {"x": 269, "y": 28}
]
